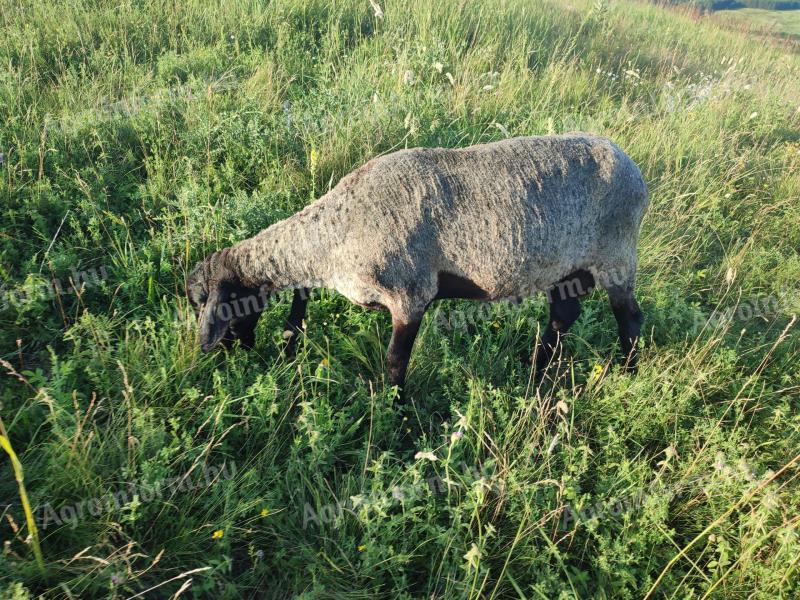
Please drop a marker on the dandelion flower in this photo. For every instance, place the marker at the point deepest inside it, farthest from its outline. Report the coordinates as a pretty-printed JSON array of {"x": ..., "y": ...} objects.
[
  {"x": 264, "y": 512},
  {"x": 362, "y": 547},
  {"x": 597, "y": 371},
  {"x": 217, "y": 535}
]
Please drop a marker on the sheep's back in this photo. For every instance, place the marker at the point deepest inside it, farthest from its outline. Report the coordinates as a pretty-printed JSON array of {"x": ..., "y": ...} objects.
[{"x": 509, "y": 214}]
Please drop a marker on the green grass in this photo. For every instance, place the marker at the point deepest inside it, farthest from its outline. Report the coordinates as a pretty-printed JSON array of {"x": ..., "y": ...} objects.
[
  {"x": 785, "y": 22},
  {"x": 137, "y": 137}
]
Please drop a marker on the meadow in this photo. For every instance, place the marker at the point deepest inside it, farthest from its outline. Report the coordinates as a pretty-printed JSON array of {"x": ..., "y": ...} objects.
[
  {"x": 785, "y": 22},
  {"x": 136, "y": 137}
]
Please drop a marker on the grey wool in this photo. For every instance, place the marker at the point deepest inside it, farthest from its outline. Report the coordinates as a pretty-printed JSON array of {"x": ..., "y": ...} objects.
[{"x": 492, "y": 221}]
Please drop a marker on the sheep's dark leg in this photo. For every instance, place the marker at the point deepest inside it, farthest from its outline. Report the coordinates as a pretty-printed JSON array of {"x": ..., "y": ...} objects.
[
  {"x": 244, "y": 330},
  {"x": 294, "y": 322},
  {"x": 565, "y": 308},
  {"x": 629, "y": 323},
  {"x": 563, "y": 313},
  {"x": 403, "y": 336}
]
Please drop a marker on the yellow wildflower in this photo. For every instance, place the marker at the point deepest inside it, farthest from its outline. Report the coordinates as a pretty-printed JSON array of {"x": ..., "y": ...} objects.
[
  {"x": 597, "y": 371},
  {"x": 362, "y": 547},
  {"x": 264, "y": 512},
  {"x": 217, "y": 534}
]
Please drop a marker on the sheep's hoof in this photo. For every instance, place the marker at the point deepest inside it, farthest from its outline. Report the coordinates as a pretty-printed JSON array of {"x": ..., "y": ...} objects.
[{"x": 290, "y": 343}]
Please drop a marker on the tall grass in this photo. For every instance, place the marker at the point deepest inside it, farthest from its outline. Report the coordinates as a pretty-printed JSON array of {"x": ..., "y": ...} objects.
[
  {"x": 19, "y": 475},
  {"x": 140, "y": 136}
]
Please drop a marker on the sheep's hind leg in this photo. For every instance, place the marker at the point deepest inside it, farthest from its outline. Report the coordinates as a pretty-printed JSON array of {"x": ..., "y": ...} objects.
[
  {"x": 629, "y": 323},
  {"x": 563, "y": 313},
  {"x": 294, "y": 322}
]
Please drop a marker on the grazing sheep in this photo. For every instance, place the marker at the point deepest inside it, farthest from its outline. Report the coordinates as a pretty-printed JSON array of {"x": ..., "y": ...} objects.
[{"x": 557, "y": 214}]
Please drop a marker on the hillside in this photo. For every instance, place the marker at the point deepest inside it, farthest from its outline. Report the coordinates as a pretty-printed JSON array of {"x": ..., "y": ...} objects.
[
  {"x": 135, "y": 138},
  {"x": 780, "y": 22}
]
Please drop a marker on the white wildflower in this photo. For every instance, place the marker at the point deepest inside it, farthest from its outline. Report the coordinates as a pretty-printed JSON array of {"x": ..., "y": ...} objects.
[
  {"x": 377, "y": 8},
  {"x": 473, "y": 556},
  {"x": 502, "y": 128},
  {"x": 427, "y": 455},
  {"x": 730, "y": 275}
]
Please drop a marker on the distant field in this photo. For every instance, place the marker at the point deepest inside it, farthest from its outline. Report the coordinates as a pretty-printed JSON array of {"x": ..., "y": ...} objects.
[{"x": 786, "y": 22}]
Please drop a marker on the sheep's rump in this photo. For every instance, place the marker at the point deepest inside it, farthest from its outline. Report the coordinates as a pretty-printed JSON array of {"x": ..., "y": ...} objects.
[{"x": 513, "y": 216}]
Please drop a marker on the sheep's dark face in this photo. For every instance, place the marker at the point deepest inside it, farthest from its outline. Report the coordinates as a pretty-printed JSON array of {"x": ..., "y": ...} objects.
[{"x": 226, "y": 310}]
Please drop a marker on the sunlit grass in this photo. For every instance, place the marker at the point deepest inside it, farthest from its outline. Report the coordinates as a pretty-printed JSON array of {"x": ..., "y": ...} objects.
[{"x": 138, "y": 137}]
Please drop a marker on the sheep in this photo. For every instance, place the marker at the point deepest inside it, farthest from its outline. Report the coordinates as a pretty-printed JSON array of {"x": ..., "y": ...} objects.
[{"x": 556, "y": 214}]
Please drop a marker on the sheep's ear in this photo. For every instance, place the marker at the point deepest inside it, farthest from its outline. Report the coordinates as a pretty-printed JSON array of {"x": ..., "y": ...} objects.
[{"x": 215, "y": 318}]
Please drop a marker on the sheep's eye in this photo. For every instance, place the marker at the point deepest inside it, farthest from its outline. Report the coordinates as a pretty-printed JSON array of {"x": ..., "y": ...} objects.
[{"x": 197, "y": 297}]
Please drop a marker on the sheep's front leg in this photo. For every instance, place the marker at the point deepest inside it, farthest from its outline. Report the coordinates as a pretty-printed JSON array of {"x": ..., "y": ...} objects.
[
  {"x": 404, "y": 332},
  {"x": 294, "y": 322}
]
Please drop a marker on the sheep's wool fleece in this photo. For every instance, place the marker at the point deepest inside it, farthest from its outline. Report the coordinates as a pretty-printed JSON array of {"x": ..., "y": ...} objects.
[{"x": 513, "y": 217}]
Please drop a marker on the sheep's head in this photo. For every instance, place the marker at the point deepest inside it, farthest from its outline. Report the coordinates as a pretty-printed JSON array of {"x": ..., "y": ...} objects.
[{"x": 226, "y": 310}]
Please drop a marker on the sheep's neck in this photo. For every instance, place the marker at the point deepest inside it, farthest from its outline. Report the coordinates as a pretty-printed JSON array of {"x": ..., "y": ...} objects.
[{"x": 290, "y": 254}]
